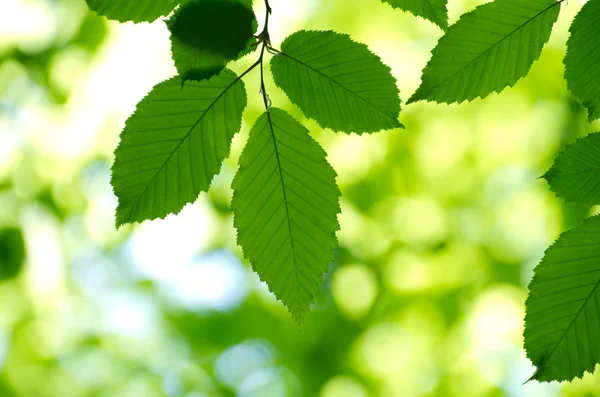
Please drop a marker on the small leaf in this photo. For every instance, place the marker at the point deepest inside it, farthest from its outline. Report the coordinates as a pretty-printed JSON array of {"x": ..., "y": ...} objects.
[
  {"x": 12, "y": 253},
  {"x": 488, "y": 49},
  {"x": 129, "y": 10},
  {"x": 582, "y": 63},
  {"x": 206, "y": 35},
  {"x": 174, "y": 144},
  {"x": 285, "y": 206},
  {"x": 433, "y": 10},
  {"x": 575, "y": 174},
  {"x": 337, "y": 82},
  {"x": 562, "y": 322}
]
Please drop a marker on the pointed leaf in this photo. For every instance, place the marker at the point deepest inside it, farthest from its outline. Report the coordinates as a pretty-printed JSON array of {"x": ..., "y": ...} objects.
[
  {"x": 337, "y": 82},
  {"x": 582, "y": 63},
  {"x": 174, "y": 144},
  {"x": 206, "y": 35},
  {"x": 575, "y": 174},
  {"x": 433, "y": 10},
  {"x": 562, "y": 323},
  {"x": 136, "y": 11},
  {"x": 285, "y": 207},
  {"x": 488, "y": 49}
]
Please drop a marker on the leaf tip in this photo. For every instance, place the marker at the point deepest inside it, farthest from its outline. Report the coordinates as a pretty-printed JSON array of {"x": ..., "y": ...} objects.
[{"x": 414, "y": 98}]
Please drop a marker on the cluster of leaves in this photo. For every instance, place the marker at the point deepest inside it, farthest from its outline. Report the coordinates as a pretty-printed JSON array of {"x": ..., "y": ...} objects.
[{"x": 285, "y": 201}]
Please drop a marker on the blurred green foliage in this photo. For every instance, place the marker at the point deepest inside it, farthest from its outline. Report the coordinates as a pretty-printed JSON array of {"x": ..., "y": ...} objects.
[{"x": 442, "y": 224}]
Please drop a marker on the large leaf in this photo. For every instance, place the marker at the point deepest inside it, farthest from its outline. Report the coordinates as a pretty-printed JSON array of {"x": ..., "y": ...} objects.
[
  {"x": 582, "y": 63},
  {"x": 130, "y": 10},
  {"x": 575, "y": 174},
  {"x": 488, "y": 49},
  {"x": 562, "y": 323},
  {"x": 337, "y": 82},
  {"x": 207, "y": 34},
  {"x": 433, "y": 10},
  {"x": 285, "y": 206},
  {"x": 174, "y": 144}
]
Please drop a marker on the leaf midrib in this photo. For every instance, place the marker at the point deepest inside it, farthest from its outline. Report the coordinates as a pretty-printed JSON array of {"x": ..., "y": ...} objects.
[
  {"x": 558, "y": 343},
  {"x": 445, "y": 81},
  {"x": 287, "y": 210},
  {"x": 185, "y": 137},
  {"x": 394, "y": 119},
  {"x": 589, "y": 170}
]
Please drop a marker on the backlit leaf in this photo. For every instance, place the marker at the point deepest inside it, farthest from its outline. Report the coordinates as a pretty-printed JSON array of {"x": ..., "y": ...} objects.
[
  {"x": 337, "y": 82},
  {"x": 285, "y": 206},
  {"x": 562, "y": 323},
  {"x": 582, "y": 63},
  {"x": 174, "y": 144},
  {"x": 433, "y": 10},
  {"x": 136, "y": 11},
  {"x": 207, "y": 34},
  {"x": 488, "y": 49},
  {"x": 575, "y": 174}
]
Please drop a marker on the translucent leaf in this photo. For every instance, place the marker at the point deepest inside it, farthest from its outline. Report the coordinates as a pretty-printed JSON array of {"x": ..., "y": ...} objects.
[
  {"x": 562, "y": 323},
  {"x": 433, "y": 10},
  {"x": 285, "y": 206},
  {"x": 337, "y": 82},
  {"x": 174, "y": 144},
  {"x": 129, "y": 10},
  {"x": 488, "y": 49},
  {"x": 582, "y": 63},
  {"x": 208, "y": 34},
  {"x": 575, "y": 174}
]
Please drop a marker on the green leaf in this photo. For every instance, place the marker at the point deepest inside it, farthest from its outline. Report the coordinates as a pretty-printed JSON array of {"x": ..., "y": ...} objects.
[
  {"x": 206, "y": 35},
  {"x": 174, "y": 144},
  {"x": 582, "y": 63},
  {"x": 433, "y": 10},
  {"x": 12, "y": 253},
  {"x": 136, "y": 11},
  {"x": 562, "y": 323},
  {"x": 285, "y": 207},
  {"x": 575, "y": 174},
  {"x": 488, "y": 49},
  {"x": 337, "y": 82}
]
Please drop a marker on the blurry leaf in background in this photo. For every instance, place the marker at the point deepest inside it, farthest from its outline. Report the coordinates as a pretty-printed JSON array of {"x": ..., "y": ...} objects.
[
  {"x": 136, "y": 11},
  {"x": 432, "y": 10},
  {"x": 562, "y": 323},
  {"x": 207, "y": 34},
  {"x": 582, "y": 62},
  {"x": 174, "y": 144},
  {"x": 91, "y": 33},
  {"x": 575, "y": 174},
  {"x": 509, "y": 36},
  {"x": 337, "y": 82},
  {"x": 12, "y": 253}
]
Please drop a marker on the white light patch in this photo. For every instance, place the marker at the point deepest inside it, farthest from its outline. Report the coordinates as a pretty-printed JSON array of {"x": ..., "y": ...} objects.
[
  {"x": 164, "y": 248},
  {"x": 4, "y": 345},
  {"x": 45, "y": 264},
  {"x": 216, "y": 281},
  {"x": 29, "y": 24},
  {"x": 263, "y": 382},
  {"x": 129, "y": 314},
  {"x": 238, "y": 362}
]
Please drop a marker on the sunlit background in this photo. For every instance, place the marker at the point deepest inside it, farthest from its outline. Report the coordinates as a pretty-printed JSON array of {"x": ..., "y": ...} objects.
[{"x": 442, "y": 224}]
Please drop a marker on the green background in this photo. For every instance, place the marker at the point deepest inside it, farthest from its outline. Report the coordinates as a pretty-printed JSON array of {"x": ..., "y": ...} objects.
[{"x": 442, "y": 224}]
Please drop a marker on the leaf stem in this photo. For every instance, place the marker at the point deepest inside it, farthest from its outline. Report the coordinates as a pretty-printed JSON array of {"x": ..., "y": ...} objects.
[{"x": 265, "y": 40}]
